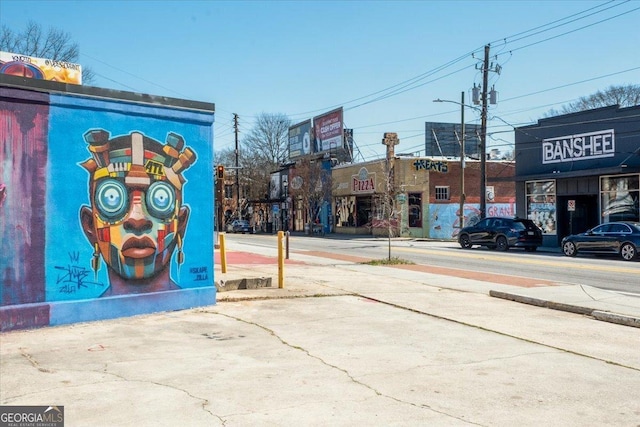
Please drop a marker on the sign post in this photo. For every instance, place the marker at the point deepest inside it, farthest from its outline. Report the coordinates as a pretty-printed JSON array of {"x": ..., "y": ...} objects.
[{"x": 571, "y": 207}]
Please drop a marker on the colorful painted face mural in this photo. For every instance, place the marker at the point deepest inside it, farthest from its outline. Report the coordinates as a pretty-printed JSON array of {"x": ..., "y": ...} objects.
[{"x": 137, "y": 218}]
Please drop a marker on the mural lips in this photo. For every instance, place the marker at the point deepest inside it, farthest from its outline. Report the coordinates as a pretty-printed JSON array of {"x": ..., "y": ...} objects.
[{"x": 138, "y": 248}]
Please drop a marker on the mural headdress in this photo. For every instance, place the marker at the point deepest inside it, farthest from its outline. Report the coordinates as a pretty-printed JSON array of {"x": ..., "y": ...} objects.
[{"x": 137, "y": 158}]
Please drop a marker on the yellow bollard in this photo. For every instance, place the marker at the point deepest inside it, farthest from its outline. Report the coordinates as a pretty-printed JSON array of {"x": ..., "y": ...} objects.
[
  {"x": 223, "y": 254},
  {"x": 280, "y": 260}
]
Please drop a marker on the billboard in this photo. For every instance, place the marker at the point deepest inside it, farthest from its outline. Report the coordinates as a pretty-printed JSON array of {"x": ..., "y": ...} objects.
[
  {"x": 442, "y": 139},
  {"x": 329, "y": 135},
  {"x": 300, "y": 139},
  {"x": 39, "y": 68}
]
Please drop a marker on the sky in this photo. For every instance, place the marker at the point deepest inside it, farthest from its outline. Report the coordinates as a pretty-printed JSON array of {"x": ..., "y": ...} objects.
[{"x": 384, "y": 62}]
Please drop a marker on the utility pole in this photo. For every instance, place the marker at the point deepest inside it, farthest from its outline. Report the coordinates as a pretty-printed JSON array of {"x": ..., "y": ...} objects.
[
  {"x": 235, "y": 128},
  {"x": 462, "y": 155},
  {"x": 483, "y": 135}
]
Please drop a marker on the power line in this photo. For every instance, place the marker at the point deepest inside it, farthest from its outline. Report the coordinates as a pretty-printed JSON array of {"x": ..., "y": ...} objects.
[
  {"x": 514, "y": 36},
  {"x": 411, "y": 84}
]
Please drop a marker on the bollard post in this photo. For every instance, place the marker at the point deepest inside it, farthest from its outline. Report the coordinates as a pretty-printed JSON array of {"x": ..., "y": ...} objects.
[
  {"x": 223, "y": 254},
  {"x": 287, "y": 245},
  {"x": 280, "y": 260}
]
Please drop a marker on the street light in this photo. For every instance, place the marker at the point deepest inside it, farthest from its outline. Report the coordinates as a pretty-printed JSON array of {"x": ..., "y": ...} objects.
[{"x": 462, "y": 155}]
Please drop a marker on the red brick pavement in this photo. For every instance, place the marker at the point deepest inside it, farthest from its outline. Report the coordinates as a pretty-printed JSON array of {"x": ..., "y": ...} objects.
[{"x": 246, "y": 258}]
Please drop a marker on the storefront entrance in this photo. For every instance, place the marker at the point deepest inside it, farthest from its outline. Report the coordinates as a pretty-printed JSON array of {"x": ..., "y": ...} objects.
[
  {"x": 584, "y": 217},
  {"x": 363, "y": 211}
]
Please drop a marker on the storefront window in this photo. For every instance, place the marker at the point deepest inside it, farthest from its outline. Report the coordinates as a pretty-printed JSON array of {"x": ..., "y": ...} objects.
[
  {"x": 619, "y": 198},
  {"x": 541, "y": 205},
  {"x": 415, "y": 210},
  {"x": 345, "y": 211}
]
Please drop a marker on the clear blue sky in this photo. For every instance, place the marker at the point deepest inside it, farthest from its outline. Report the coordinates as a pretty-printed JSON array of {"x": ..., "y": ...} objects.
[{"x": 304, "y": 58}]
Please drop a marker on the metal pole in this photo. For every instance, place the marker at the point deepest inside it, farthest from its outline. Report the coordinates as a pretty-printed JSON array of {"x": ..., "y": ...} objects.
[
  {"x": 235, "y": 125},
  {"x": 280, "y": 260},
  {"x": 223, "y": 254},
  {"x": 462, "y": 155},
  {"x": 287, "y": 244}
]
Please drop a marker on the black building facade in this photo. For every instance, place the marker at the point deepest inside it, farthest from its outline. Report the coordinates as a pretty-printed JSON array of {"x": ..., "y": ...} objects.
[{"x": 578, "y": 170}]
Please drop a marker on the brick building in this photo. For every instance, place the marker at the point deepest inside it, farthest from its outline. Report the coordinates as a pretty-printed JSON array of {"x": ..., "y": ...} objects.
[{"x": 422, "y": 194}]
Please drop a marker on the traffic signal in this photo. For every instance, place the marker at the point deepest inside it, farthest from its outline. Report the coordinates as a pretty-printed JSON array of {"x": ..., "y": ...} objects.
[{"x": 220, "y": 172}]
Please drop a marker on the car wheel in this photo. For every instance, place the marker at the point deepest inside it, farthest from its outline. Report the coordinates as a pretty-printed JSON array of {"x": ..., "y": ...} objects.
[
  {"x": 502, "y": 244},
  {"x": 465, "y": 243},
  {"x": 628, "y": 252},
  {"x": 530, "y": 248},
  {"x": 569, "y": 249}
]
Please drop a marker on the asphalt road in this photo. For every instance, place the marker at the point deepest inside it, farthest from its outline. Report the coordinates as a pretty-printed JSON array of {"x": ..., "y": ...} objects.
[{"x": 608, "y": 273}]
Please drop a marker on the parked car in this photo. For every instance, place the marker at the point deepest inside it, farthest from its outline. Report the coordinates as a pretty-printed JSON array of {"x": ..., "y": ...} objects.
[
  {"x": 502, "y": 234},
  {"x": 621, "y": 238},
  {"x": 239, "y": 226}
]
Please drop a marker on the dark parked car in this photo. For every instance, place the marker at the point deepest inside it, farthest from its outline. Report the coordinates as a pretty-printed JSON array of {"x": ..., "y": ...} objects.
[
  {"x": 622, "y": 238},
  {"x": 239, "y": 226},
  {"x": 502, "y": 234}
]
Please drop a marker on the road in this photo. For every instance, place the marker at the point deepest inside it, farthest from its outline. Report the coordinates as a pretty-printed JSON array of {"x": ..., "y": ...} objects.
[{"x": 607, "y": 273}]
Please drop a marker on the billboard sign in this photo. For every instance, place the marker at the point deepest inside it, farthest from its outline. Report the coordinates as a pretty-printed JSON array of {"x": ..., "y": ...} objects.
[
  {"x": 443, "y": 139},
  {"x": 300, "y": 139},
  {"x": 39, "y": 68},
  {"x": 328, "y": 131}
]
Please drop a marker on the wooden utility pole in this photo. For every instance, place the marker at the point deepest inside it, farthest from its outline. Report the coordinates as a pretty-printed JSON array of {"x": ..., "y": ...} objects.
[
  {"x": 483, "y": 135},
  {"x": 462, "y": 155}
]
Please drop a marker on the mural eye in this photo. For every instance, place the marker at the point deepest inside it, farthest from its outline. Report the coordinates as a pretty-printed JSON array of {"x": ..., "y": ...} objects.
[
  {"x": 111, "y": 199},
  {"x": 161, "y": 199}
]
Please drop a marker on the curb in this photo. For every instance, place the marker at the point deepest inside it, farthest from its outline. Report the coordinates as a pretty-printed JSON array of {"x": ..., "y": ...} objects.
[
  {"x": 236, "y": 284},
  {"x": 604, "y": 316},
  {"x": 620, "y": 319}
]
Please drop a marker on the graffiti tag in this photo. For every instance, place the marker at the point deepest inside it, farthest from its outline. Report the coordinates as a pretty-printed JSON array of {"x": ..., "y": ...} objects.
[
  {"x": 72, "y": 277},
  {"x": 200, "y": 273},
  {"x": 431, "y": 165}
]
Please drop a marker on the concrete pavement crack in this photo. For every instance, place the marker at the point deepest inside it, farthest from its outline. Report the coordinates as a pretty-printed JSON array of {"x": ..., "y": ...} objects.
[
  {"x": 470, "y": 325},
  {"x": 33, "y": 361},
  {"x": 204, "y": 401},
  {"x": 344, "y": 371}
]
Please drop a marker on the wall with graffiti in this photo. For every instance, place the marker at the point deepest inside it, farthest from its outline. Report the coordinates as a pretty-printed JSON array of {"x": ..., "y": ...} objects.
[
  {"x": 444, "y": 219},
  {"x": 106, "y": 207}
]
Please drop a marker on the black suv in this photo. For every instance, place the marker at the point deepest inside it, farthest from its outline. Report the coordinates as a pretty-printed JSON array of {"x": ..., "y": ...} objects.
[{"x": 502, "y": 234}]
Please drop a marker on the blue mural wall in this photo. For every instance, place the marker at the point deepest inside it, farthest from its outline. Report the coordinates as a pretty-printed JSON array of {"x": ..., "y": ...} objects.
[
  {"x": 444, "y": 219},
  {"x": 107, "y": 207}
]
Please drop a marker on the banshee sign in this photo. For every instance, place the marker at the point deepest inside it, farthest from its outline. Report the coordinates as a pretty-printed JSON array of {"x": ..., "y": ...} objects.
[{"x": 584, "y": 146}]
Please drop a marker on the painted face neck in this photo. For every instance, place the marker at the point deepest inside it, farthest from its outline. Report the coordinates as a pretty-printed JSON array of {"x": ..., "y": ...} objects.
[{"x": 136, "y": 228}]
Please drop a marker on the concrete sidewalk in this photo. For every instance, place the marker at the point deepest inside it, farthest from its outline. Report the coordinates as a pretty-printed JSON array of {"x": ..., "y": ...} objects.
[
  {"x": 342, "y": 344},
  {"x": 258, "y": 271}
]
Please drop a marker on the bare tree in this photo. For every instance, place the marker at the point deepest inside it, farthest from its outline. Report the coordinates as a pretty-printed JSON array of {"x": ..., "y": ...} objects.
[
  {"x": 254, "y": 180},
  {"x": 624, "y": 96},
  {"x": 267, "y": 141},
  {"x": 253, "y": 177},
  {"x": 310, "y": 186},
  {"x": 51, "y": 44},
  {"x": 389, "y": 208}
]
